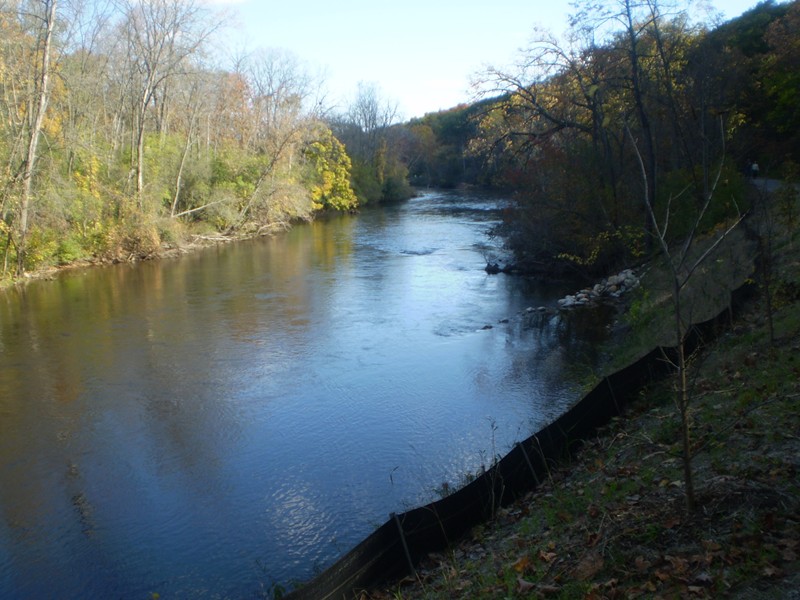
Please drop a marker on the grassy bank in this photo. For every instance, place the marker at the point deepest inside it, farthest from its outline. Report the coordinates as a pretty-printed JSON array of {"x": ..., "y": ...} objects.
[{"x": 613, "y": 523}]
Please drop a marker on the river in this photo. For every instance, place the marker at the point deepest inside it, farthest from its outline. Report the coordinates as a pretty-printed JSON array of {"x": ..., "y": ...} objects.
[{"x": 212, "y": 425}]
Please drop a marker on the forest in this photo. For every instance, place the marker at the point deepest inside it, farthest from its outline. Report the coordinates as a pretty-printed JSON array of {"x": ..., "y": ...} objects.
[
  {"x": 122, "y": 135},
  {"x": 638, "y": 105}
]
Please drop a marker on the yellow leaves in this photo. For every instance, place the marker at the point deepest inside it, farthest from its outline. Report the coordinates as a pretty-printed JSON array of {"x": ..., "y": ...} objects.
[
  {"x": 594, "y": 247},
  {"x": 331, "y": 164},
  {"x": 52, "y": 124},
  {"x": 87, "y": 178},
  {"x": 522, "y": 564}
]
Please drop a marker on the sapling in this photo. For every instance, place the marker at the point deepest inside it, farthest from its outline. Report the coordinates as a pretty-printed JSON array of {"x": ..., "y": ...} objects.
[{"x": 681, "y": 266}]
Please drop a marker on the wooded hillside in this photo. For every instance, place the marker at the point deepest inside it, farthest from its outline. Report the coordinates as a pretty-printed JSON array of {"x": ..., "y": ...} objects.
[{"x": 638, "y": 102}]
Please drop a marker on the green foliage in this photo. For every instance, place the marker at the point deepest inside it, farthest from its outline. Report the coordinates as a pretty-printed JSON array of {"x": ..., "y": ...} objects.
[
  {"x": 237, "y": 172},
  {"x": 396, "y": 188},
  {"x": 69, "y": 250},
  {"x": 437, "y": 148},
  {"x": 682, "y": 195},
  {"x": 365, "y": 183},
  {"x": 41, "y": 248}
]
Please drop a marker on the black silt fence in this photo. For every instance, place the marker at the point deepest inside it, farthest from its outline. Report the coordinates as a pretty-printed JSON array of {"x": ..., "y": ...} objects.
[{"x": 394, "y": 549}]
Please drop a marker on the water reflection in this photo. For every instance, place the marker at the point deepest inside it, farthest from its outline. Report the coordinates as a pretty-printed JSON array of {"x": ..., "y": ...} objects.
[{"x": 196, "y": 427}]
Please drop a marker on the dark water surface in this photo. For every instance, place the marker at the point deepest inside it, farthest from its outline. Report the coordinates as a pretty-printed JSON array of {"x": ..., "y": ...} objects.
[{"x": 207, "y": 426}]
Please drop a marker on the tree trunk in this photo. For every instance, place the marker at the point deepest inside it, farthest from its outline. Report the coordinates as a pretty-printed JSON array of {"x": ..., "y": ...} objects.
[
  {"x": 648, "y": 149},
  {"x": 41, "y": 100},
  {"x": 683, "y": 400},
  {"x": 140, "y": 157},
  {"x": 186, "y": 147}
]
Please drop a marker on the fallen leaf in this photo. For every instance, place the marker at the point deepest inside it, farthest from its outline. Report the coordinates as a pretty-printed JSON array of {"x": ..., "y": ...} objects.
[
  {"x": 704, "y": 579},
  {"x": 547, "y": 556},
  {"x": 522, "y": 564},
  {"x": 589, "y": 566},
  {"x": 679, "y": 564},
  {"x": 770, "y": 571},
  {"x": 524, "y": 586},
  {"x": 697, "y": 590},
  {"x": 548, "y": 589},
  {"x": 641, "y": 564}
]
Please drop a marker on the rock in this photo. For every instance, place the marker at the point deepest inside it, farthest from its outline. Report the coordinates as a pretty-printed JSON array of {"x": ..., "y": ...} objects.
[{"x": 612, "y": 287}]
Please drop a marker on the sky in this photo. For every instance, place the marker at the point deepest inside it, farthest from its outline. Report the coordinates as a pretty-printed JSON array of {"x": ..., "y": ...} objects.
[{"x": 420, "y": 54}]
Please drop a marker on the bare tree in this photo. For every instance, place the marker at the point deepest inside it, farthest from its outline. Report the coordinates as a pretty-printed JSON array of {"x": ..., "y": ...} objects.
[
  {"x": 160, "y": 37},
  {"x": 371, "y": 116},
  {"x": 45, "y": 12},
  {"x": 683, "y": 261},
  {"x": 279, "y": 86},
  {"x": 193, "y": 105}
]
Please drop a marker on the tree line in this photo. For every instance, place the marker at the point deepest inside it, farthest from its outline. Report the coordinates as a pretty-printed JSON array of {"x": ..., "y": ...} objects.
[
  {"x": 638, "y": 100},
  {"x": 119, "y": 133}
]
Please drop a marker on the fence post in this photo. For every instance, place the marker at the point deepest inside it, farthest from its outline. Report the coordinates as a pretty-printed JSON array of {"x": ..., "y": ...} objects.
[{"x": 405, "y": 545}]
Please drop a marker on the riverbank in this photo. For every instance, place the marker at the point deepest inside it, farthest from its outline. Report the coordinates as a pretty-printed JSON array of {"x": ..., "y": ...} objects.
[
  {"x": 612, "y": 522},
  {"x": 165, "y": 250}
]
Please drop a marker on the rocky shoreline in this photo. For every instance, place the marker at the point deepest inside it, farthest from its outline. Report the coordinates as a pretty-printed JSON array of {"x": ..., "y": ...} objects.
[
  {"x": 611, "y": 288},
  {"x": 607, "y": 290}
]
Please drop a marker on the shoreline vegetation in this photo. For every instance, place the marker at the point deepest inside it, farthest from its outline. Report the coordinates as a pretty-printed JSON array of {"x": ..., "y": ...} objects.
[
  {"x": 611, "y": 521},
  {"x": 121, "y": 135},
  {"x": 165, "y": 251}
]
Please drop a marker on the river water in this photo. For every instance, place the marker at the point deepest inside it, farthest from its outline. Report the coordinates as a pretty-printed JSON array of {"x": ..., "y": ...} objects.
[{"x": 242, "y": 416}]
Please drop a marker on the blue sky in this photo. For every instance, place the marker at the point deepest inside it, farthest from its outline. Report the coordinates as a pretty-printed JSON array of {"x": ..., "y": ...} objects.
[{"x": 420, "y": 53}]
